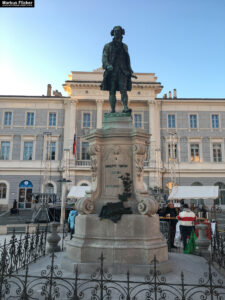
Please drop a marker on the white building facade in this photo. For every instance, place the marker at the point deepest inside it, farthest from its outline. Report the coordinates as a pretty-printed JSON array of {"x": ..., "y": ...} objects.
[{"x": 37, "y": 135}]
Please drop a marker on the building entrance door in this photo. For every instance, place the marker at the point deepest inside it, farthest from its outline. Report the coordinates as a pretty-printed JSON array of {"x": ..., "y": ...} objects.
[{"x": 25, "y": 194}]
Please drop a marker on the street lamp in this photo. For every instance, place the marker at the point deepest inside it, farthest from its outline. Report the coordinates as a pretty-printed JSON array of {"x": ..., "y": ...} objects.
[
  {"x": 63, "y": 185},
  {"x": 63, "y": 206}
]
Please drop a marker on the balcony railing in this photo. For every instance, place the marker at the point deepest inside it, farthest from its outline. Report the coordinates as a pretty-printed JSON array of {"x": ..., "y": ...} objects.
[
  {"x": 83, "y": 163},
  {"x": 87, "y": 163}
]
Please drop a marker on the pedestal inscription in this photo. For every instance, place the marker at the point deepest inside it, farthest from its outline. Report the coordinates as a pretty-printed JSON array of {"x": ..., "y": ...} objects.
[{"x": 115, "y": 165}]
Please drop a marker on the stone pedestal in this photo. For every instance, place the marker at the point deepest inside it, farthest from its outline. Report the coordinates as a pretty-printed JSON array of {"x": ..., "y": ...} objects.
[
  {"x": 115, "y": 150},
  {"x": 53, "y": 239},
  {"x": 202, "y": 242}
]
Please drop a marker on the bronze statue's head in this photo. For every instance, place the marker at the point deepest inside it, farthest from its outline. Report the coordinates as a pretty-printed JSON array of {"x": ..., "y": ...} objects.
[{"x": 117, "y": 30}]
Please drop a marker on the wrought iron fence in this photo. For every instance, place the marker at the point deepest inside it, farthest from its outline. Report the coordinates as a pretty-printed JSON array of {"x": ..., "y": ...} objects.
[
  {"x": 218, "y": 248},
  {"x": 19, "y": 252},
  {"x": 167, "y": 231},
  {"x": 51, "y": 284},
  {"x": 64, "y": 233}
]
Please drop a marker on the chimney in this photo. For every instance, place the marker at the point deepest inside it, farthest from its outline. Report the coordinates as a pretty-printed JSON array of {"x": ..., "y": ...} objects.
[
  {"x": 56, "y": 93},
  {"x": 174, "y": 94},
  {"x": 170, "y": 95},
  {"x": 165, "y": 96},
  {"x": 49, "y": 90}
]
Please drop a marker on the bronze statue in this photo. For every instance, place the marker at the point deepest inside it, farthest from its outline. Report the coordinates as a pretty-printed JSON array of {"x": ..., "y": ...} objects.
[{"x": 118, "y": 72}]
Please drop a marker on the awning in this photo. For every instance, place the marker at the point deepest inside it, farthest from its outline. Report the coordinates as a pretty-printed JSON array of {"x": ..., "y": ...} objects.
[
  {"x": 194, "y": 192},
  {"x": 78, "y": 191}
]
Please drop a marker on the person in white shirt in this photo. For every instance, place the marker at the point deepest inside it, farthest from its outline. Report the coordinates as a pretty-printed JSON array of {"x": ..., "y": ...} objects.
[{"x": 187, "y": 219}]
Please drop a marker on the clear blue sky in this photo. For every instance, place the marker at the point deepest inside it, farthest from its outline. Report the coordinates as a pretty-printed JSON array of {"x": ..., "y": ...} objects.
[{"x": 181, "y": 41}]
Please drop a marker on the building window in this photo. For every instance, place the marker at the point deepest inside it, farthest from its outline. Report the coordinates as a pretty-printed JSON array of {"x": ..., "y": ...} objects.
[
  {"x": 52, "y": 119},
  {"x": 5, "y": 150},
  {"x": 86, "y": 120},
  {"x": 28, "y": 151},
  {"x": 49, "y": 188},
  {"x": 217, "y": 153},
  {"x": 172, "y": 152},
  {"x": 51, "y": 151},
  {"x": 195, "y": 153},
  {"x": 193, "y": 121},
  {"x": 3, "y": 190},
  {"x": 84, "y": 151},
  {"x": 30, "y": 119},
  {"x": 171, "y": 121},
  {"x": 197, "y": 202},
  {"x": 8, "y": 118},
  {"x": 137, "y": 120},
  {"x": 215, "y": 121}
]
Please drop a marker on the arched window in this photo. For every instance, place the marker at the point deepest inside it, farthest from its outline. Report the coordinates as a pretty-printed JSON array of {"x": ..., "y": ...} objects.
[
  {"x": 222, "y": 192},
  {"x": 83, "y": 183},
  {"x": 49, "y": 188},
  {"x": 3, "y": 190}
]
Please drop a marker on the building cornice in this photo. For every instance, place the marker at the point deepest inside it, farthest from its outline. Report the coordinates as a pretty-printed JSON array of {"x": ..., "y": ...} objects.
[
  {"x": 178, "y": 100},
  {"x": 33, "y": 97},
  {"x": 96, "y": 84}
]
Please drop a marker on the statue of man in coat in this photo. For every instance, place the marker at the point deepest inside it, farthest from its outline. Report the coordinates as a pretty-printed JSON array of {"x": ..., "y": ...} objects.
[{"x": 118, "y": 72}]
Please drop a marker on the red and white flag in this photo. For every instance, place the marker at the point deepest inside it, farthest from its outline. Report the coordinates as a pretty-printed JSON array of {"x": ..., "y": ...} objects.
[{"x": 74, "y": 145}]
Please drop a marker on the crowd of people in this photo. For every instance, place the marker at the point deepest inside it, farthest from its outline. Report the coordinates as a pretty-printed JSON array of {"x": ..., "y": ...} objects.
[{"x": 185, "y": 215}]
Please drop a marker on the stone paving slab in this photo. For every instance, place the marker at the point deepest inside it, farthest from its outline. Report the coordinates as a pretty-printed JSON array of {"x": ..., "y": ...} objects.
[
  {"x": 193, "y": 266},
  {"x": 23, "y": 217}
]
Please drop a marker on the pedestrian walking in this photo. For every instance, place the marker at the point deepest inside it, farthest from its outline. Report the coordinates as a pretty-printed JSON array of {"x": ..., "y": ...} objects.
[{"x": 71, "y": 220}]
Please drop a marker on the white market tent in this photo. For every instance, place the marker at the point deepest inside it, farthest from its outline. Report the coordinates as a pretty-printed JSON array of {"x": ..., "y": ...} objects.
[
  {"x": 194, "y": 192},
  {"x": 78, "y": 191}
]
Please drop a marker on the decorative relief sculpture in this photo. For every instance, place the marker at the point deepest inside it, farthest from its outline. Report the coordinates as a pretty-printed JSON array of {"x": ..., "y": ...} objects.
[
  {"x": 93, "y": 151},
  {"x": 139, "y": 162},
  {"x": 148, "y": 207},
  {"x": 112, "y": 152},
  {"x": 140, "y": 149},
  {"x": 94, "y": 167},
  {"x": 85, "y": 205},
  {"x": 114, "y": 210},
  {"x": 140, "y": 155}
]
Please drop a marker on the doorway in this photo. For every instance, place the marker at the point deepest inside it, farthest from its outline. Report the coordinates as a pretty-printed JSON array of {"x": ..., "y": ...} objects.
[{"x": 25, "y": 194}]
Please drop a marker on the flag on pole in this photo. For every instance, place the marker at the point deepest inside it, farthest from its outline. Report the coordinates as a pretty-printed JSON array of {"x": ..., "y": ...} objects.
[{"x": 74, "y": 144}]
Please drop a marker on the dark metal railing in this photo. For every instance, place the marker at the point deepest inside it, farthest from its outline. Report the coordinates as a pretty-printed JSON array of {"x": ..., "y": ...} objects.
[
  {"x": 19, "y": 252},
  {"x": 218, "y": 248},
  {"x": 51, "y": 284}
]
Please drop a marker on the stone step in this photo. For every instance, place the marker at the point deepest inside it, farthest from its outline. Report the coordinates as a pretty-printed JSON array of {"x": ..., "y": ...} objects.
[{"x": 18, "y": 230}]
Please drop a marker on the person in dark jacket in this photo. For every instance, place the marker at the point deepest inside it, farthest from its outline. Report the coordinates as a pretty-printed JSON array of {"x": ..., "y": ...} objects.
[
  {"x": 14, "y": 209},
  {"x": 172, "y": 213},
  {"x": 71, "y": 220}
]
